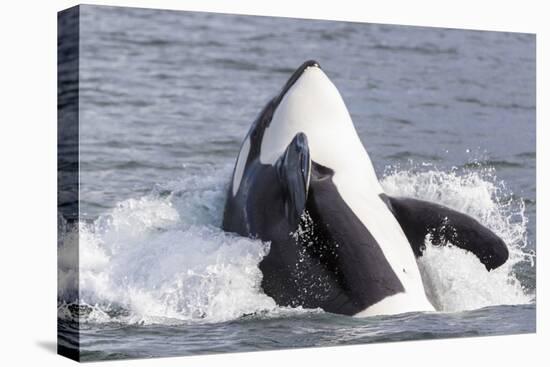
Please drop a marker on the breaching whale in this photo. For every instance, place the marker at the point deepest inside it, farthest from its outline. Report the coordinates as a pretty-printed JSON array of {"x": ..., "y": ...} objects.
[{"x": 304, "y": 182}]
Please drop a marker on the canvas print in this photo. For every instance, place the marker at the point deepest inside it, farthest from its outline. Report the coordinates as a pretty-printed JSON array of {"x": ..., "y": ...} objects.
[{"x": 231, "y": 183}]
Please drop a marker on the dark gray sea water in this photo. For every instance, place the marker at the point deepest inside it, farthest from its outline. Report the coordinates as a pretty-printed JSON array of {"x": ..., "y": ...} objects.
[{"x": 166, "y": 98}]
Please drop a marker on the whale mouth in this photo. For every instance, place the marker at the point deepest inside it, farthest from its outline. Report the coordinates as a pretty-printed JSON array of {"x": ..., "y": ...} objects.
[{"x": 296, "y": 75}]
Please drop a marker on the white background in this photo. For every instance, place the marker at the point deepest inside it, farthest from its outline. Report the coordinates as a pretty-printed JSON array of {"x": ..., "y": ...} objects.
[{"x": 28, "y": 181}]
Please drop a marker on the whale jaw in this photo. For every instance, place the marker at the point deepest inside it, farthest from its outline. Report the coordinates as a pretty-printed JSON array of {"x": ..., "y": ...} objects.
[{"x": 313, "y": 106}]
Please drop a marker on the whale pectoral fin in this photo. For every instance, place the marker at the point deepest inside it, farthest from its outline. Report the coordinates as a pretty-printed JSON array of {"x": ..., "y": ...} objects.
[
  {"x": 419, "y": 218},
  {"x": 294, "y": 172}
]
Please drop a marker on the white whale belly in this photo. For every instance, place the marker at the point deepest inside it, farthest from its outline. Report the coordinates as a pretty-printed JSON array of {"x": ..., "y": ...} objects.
[{"x": 398, "y": 303}]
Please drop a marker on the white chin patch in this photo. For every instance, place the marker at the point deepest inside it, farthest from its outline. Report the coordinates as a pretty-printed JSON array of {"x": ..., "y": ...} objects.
[{"x": 314, "y": 107}]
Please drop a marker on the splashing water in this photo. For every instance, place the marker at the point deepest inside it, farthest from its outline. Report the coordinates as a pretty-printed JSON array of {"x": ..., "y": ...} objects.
[
  {"x": 454, "y": 279},
  {"x": 163, "y": 258},
  {"x": 158, "y": 263}
]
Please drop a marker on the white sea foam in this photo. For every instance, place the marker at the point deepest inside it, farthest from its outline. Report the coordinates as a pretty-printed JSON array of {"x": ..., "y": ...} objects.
[
  {"x": 162, "y": 258},
  {"x": 154, "y": 259},
  {"x": 454, "y": 279}
]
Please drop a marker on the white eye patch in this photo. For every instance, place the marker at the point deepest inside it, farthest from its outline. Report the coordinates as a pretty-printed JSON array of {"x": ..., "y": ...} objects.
[{"x": 239, "y": 167}]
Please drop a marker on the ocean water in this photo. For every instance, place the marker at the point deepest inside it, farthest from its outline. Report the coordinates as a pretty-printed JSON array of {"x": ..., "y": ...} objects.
[{"x": 165, "y": 101}]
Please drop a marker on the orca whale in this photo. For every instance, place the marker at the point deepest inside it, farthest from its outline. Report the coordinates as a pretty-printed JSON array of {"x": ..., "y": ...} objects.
[{"x": 304, "y": 182}]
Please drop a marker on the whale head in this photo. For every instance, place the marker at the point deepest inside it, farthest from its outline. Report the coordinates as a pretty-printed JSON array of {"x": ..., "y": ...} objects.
[{"x": 308, "y": 104}]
